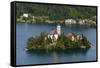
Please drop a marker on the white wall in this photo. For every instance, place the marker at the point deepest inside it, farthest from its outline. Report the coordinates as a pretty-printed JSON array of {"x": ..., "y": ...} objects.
[{"x": 5, "y": 34}]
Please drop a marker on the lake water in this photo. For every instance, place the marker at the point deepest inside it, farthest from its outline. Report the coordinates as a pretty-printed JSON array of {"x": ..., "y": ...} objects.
[{"x": 24, "y": 31}]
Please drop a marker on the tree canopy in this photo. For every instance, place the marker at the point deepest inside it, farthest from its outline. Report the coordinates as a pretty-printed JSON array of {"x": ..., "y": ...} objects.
[{"x": 56, "y": 12}]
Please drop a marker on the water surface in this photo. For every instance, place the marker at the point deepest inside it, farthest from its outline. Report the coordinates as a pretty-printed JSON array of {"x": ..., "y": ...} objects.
[{"x": 24, "y": 31}]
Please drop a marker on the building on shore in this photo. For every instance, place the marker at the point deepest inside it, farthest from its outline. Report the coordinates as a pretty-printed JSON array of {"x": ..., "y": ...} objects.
[
  {"x": 26, "y": 15},
  {"x": 70, "y": 21}
]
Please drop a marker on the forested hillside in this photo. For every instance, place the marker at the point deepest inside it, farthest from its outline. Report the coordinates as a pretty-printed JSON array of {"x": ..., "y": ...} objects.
[{"x": 56, "y": 12}]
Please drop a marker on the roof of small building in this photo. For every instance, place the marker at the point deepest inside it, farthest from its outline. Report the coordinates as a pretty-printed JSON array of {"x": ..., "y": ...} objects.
[{"x": 52, "y": 32}]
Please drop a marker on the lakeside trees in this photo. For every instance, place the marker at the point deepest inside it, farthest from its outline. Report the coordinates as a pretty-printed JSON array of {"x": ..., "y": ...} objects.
[{"x": 56, "y": 12}]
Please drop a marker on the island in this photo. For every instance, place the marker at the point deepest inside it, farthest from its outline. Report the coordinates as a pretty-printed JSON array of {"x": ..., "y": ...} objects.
[{"x": 56, "y": 39}]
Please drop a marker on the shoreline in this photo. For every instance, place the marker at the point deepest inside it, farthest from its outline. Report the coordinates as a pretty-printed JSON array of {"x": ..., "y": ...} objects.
[{"x": 93, "y": 26}]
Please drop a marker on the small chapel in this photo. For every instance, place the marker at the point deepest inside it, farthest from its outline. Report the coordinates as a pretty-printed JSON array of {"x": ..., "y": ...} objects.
[{"x": 55, "y": 33}]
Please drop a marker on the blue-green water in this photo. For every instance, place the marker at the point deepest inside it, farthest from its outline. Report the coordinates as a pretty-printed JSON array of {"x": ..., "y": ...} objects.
[{"x": 24, "y": 31}]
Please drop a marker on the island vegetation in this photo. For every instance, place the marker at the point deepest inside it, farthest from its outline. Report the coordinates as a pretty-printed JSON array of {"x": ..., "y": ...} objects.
[
  {"x": 46, "y": 13},
  {"x": 71, "y": 40}
]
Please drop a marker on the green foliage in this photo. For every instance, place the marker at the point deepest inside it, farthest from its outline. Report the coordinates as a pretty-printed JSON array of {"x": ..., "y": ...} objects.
[
  {"x": 55, "y": 12},
  {"x": 85, "y": 42},
  {"x": 63, "y": 42},
  {"x": 93, "y": 18}
]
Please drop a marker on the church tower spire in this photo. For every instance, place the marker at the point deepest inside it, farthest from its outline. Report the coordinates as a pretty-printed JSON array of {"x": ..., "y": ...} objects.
[{"x": 59, "y": 29}]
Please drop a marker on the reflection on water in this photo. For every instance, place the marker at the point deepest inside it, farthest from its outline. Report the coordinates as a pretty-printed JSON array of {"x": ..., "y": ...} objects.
[
  {"x": 57, "y": 53},
  {"x": 69, "y": 51}
]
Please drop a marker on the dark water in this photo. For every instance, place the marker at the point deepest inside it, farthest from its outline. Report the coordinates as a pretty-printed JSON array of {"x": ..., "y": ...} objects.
[{"x": 24, "y": 31}]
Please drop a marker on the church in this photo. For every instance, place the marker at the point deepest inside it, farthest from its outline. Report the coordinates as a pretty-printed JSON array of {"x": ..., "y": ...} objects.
[{"x": 55, "y": 33}]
